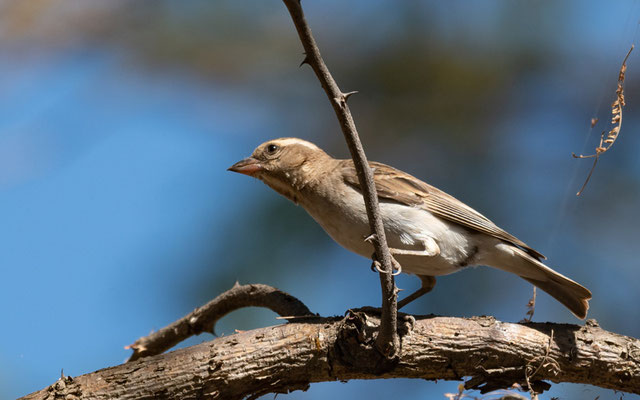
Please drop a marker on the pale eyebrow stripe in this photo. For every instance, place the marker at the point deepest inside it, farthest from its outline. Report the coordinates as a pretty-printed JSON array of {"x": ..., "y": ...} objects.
[{"x": 289, "y": 141}]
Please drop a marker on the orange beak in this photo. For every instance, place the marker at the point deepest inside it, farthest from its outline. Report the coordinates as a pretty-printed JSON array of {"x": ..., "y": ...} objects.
[{"x": 248, "y": 166}]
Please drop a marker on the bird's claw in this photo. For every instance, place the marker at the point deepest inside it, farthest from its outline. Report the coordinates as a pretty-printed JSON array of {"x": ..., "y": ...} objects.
[
  {"x": 371, "y": 238},
  {"x": 396, "y": 266},
  {"x": 377, "y": 266}
]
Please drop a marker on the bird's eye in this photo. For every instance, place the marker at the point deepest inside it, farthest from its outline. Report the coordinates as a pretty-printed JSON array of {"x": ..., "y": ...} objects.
[{"x": 272, "y": 148}]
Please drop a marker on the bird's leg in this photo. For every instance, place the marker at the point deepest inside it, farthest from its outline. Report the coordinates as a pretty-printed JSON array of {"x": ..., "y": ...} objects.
[
  {"x": 431, "y": 249},
  {"x": 428, "y": 282}
]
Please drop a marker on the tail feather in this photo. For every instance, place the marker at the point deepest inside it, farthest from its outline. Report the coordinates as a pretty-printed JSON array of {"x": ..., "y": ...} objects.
[
  {"x": 576, "y": 299},
  {"x": 570, "y": 293}
]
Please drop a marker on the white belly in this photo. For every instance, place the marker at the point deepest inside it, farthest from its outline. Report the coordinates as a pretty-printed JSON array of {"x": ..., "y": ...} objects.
[{"x": 405, "y": 227}]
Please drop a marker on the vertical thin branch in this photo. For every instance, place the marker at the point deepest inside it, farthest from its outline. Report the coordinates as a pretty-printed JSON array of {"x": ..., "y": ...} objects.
[
  {"x": 616, "y": 122},
  {"x": 387, "y": 340}
]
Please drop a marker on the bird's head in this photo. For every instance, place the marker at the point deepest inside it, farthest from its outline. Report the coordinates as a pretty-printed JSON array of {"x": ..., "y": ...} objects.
[{"x": 287, "y": 165}]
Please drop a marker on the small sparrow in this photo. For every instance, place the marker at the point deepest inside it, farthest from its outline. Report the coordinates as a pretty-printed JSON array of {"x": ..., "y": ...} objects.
[{"x": 429, "y": 232}]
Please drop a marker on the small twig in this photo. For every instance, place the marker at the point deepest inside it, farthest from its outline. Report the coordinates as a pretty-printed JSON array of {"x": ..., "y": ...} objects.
[
  {"x": 593, "y": 167},
  {"x": 543, "y": 363},
  {"x": 387, "y": 341},
  {"x": 531, "y": 307},
  {"x": 616, "y": 121},
  {"x": 203, "y": 319}
]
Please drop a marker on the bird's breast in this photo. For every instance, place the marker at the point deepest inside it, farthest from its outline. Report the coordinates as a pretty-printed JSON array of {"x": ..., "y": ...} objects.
[{"x": 344, "y": 218}]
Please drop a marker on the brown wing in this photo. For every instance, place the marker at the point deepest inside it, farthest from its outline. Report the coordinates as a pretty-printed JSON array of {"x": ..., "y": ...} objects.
[{"x": 398, "y": 186}]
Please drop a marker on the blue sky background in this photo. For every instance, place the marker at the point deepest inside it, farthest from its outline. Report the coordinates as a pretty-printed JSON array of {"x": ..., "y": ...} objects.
[{"x": 118, "y": 121}]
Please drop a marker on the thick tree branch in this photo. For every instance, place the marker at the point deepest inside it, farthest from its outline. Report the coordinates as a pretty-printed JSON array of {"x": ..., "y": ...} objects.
[
  {"x": 291, "y": 356},
  {"x": 203, "y": 319},
  {"x": 387, "y": 340}
]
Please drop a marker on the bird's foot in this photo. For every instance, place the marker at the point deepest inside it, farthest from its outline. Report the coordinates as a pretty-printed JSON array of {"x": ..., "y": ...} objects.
[
  {"x": 405, "y": 323},
  {"x": 377, "y": 265}
]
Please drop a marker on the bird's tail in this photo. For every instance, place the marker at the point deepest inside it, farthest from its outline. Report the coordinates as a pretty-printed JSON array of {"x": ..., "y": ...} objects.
[
  {"x": 571, "y": 294},
  {"x": 568, "y": 292}
]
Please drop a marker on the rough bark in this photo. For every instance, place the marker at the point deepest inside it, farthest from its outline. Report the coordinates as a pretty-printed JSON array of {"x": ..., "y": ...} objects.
[{"x": 291, "y": 356}]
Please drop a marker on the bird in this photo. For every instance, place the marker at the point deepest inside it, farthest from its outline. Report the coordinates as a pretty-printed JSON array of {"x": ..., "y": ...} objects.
[{"x": 429, "y": 232}]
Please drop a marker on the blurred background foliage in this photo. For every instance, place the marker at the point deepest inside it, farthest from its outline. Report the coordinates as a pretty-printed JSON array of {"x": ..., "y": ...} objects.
[{"x": 118, "y": 120}]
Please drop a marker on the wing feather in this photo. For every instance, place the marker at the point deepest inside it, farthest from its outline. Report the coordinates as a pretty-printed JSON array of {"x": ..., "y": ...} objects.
[{"x": 400, "y": 187}]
